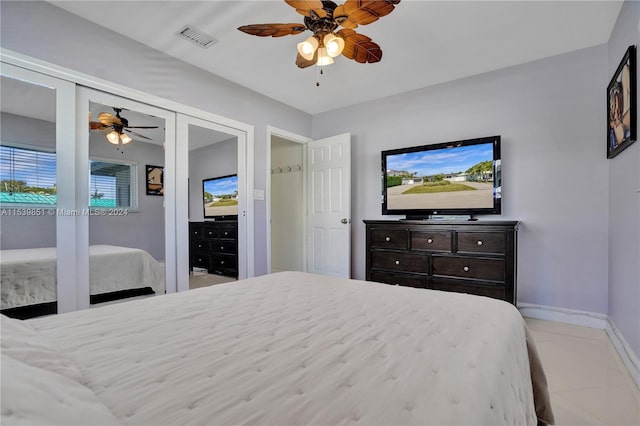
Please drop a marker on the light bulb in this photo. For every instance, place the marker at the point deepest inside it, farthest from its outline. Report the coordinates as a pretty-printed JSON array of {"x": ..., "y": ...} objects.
[
  {"x": 125, "y": 138},
  {"x": 113, "y": 137},
  {"x": 323, "y": 57},
  {"x": 334, "y": 44},
  {"x": 308, "y": 47}
]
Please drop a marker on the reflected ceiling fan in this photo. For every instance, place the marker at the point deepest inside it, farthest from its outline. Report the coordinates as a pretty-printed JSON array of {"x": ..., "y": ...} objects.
[
  {"x": 118, "y": 126},
  {"x": 322, "y": 18}
]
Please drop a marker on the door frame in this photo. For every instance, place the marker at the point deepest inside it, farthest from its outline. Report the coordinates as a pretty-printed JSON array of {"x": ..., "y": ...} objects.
[
  {"x": 29, "y": 63},
  {"x": 293, "y": 137}
]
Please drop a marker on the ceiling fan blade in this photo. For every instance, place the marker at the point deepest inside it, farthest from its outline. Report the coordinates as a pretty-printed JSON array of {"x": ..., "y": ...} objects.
[
  {"x": 108, "y": 119},
  {"x": 359, "y": 47},
  {"x": 308, "y": 7},
  {"x": 140, "y": 127},
  {"x": 94, "y": 125},
  {"x": 305, "y": 63},
  {"x": 272, "y": 30},
  {"x": 362, "y": 12},
  {"x": 137, "y": 134}
]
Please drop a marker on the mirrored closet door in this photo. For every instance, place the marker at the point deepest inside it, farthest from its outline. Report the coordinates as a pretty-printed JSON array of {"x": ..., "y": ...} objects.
[
  {"x": 129, "y": 184},
  {"x": 38, "y": 236},
  {"x": 211, "y": 205}
]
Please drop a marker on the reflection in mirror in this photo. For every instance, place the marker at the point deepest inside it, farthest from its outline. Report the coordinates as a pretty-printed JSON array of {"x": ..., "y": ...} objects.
[
  {"x": 126, "y": 221},
  {"x": 213, "y": 207},
  {"x": 27, "y": 199}
]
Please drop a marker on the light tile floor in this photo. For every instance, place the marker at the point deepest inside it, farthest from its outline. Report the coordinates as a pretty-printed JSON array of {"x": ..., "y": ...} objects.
[{"x": 588, "y": 383}]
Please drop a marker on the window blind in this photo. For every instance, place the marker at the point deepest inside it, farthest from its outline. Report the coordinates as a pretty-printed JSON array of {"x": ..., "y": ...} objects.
[{"x": 27, "y": 176}]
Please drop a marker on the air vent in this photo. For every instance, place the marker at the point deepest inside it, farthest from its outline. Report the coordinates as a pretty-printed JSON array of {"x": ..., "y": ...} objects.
[{"x": 196, "y": 36}]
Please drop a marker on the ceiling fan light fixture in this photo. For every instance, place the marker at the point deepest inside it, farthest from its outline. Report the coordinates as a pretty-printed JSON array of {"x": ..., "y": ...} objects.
[
  {"x": 308, "y": 47},
  {"x": 125, "y": 138},
  {"x": 323, "y": 57},
  {"x": 113, "y": 137},
  {"x": 334, "y": 44}
]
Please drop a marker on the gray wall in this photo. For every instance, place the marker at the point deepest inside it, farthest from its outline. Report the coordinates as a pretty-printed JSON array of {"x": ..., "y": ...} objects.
[
  {"x": 219, "y": 159},
  {"x": 550, "y": 114},
  {"x": 624, "y": 203},
  {"x": 43, "y": 31}
]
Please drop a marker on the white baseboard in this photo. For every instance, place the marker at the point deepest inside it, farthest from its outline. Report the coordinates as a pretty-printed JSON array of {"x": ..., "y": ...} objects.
[{"x": 587, "y": 319}]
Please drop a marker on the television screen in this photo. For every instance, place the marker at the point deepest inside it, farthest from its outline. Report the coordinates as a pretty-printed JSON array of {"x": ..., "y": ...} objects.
[
  {"x": 462, "y": 178},
  {"x": 220, "y": 197}
]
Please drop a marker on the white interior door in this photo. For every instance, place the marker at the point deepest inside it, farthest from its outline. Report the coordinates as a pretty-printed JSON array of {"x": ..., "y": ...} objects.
[{"x": 329, "y": 206}]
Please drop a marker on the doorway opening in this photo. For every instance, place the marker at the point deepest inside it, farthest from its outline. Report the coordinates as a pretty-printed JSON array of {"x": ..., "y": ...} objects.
[{"x": 287, "y": 201}]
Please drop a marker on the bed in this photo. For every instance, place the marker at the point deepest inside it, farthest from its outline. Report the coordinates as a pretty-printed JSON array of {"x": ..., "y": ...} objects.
[
  {"x": 286, "y": 348},
  {"x": 28, "y": 276}
]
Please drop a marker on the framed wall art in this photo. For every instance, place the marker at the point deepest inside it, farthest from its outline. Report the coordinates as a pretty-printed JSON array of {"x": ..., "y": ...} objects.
[
  {"x": 155, "y": 180},
  {"x": 621, "y": 105}
]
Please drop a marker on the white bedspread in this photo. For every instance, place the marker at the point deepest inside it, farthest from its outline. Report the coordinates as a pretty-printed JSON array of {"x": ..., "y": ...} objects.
[
  {"x": 295, "y": 348},
  {"x": 28, "y": 276}
]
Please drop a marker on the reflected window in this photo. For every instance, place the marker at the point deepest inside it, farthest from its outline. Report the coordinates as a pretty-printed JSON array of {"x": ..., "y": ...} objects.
[
  {"x": 27, "y": 176},
  {"x": 113, "y": 183}
]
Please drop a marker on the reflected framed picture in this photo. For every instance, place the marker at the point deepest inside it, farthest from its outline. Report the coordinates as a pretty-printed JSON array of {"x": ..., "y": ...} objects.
[
  {"x": 155, "y": 180},
  {"x": 621, "y": 105}
]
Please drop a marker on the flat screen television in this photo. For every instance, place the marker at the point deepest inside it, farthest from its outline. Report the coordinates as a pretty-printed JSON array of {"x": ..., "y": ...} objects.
[
  {"x": 220, "y": 197},
  {"x": 451, "y": 178}
]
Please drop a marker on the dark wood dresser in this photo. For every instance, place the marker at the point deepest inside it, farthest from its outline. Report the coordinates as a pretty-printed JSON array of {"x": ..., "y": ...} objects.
[
  {"x": 213, "y": 246},
  {"x": 476, "y": 257}
]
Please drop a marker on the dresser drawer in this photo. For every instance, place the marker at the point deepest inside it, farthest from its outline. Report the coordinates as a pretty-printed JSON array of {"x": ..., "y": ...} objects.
[
  {"x": 200, "y": 260},
  {"x": 406, "y": 280},
  {"x": 196, "y": 230},
  {"x": 403, "y": 262},
  {"x": 389, "y": 238},
  {"x": 469, "y": 267},
  {"x": 494, "y": 291},
  {"x": 431, "y": 241},
  {"x": 223, "y": 246},
  {"x": 481, "y": 242},
  {"x": 200, "y": 246},
  {"x": 224, "y": 264}
]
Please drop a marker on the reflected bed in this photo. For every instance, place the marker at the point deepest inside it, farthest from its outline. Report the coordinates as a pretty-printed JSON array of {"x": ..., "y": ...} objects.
[{"x": 28, "y": 276}]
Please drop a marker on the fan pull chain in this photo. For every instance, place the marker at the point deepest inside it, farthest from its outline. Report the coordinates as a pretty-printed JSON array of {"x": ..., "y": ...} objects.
[{"x": 320, "y": 72}]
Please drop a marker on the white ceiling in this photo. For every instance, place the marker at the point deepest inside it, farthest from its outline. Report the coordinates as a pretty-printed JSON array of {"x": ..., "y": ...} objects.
[{"x": 424, "y": 42}]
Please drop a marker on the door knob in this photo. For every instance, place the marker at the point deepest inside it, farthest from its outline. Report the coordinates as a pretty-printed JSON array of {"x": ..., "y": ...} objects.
[{"x": 344, "y": 220}]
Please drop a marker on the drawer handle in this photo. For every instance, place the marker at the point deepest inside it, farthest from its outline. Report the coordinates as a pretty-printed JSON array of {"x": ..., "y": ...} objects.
[
  {"x": 387, "y": 239},
  {"x": 226, "y": 233},
  {"x": 466, "y": 269},
  {"x": 199, "y": 245},
  {"x": 429, "y": 241},
  {"x": 222, "y": 262},
  {"x": 397, "y": 262},
  {"x": 479, "y": 242},
  {"x": 222, "y": 248}
]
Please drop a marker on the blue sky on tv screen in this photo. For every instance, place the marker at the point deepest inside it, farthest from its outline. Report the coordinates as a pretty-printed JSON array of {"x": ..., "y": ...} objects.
[
  {"x": 222, "y": 186},
  {"x": 447, "y": 160}
]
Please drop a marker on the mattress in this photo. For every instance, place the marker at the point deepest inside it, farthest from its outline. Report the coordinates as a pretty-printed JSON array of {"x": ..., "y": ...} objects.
[
  {"x": 286, "y": 348},
  {"x": 28, "y": 276}
]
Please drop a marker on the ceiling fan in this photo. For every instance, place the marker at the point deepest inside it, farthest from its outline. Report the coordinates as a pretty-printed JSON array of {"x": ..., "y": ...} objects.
[
  {"x": 322, "y": 18},
  {"x": 118, "y": 126}
]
